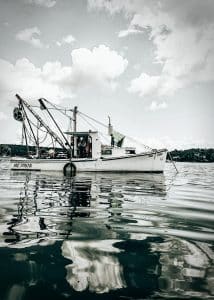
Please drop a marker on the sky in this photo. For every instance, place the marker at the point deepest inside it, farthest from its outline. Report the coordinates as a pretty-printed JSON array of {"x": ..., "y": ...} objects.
[{"x": 149, "y": 64}]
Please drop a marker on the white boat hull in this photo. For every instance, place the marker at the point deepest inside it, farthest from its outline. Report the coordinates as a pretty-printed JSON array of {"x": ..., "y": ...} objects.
[{"x": 145, "y": 162}]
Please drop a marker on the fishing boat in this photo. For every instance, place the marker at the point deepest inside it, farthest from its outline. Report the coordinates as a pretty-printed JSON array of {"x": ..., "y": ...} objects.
[{"x": 82, "y": 151}]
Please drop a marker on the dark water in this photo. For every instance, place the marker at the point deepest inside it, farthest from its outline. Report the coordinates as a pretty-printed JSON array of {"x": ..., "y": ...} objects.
[{"x": 107, "y": 236}]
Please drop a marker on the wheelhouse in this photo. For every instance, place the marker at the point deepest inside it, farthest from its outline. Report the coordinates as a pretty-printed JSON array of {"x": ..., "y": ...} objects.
[{"x": 85, "y": 144}]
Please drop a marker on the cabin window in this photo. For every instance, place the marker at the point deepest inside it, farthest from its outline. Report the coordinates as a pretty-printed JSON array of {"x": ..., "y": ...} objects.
[
  {"x": 107, "y": 152},
  {"x": 130, "y": 151}
]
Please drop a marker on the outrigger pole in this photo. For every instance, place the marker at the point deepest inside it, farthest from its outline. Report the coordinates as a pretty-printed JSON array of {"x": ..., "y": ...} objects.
[
  {"x": 51, "y": 132},
  {"x": 44, "y": 107},
  {"x": 26, "y": 117},
  {"x": 21, "y": 117},
  {"x": 25, "y": 136}
]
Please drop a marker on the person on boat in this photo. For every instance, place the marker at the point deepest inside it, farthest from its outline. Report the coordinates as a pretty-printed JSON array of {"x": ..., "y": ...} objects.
[
  {"x": 51, "y": 153},
  {"x": 88, "y": 148},
  {"x": 82, "y": 147},
  {"x": 112, "y": 140}
]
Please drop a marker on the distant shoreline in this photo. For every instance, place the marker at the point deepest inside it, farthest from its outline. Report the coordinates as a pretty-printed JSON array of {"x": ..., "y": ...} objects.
[
  {"x": 193, "y": 155},
  {"x": 168, "y": 161}
]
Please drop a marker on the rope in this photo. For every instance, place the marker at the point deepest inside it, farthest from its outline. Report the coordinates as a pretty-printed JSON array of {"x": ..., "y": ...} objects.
[
  {"x": 98, "y": 122},
  {"x": 62, "y": 110},
  {"x": 139, "y": 143},
  {"x": 32, "y": 123},
  {"x": 128, "y": 137},
  {"x": 44, "y": 139},
  {"x": 29, "y": 135},
  {"x": 94, "y": 128},
  {"x": 171, "y": 159},
  {"x": 88, "y": 122}
]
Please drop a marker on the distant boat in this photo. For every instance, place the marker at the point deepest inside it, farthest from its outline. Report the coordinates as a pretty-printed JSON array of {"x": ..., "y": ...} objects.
[{"x": 83, "y": 151}]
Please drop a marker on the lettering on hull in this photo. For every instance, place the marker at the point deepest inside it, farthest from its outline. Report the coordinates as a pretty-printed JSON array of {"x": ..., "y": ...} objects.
[{"x": 22, "y": 166}]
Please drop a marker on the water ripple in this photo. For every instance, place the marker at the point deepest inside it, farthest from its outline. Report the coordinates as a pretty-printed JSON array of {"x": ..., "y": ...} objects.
[{"x": 98, "y": 218}]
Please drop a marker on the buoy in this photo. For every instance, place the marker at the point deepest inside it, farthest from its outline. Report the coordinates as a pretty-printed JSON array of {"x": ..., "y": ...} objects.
[{"x": 69, "y": 169}]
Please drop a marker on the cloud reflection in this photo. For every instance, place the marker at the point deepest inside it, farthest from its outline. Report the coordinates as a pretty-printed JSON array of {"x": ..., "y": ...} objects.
[{"x": 94, "y": 266}]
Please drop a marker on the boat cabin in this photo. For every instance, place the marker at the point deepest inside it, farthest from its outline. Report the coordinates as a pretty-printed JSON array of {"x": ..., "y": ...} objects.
[{"x": 85, "y": 144}]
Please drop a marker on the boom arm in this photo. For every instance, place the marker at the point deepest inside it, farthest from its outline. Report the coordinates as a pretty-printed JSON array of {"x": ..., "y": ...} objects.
[{"x": 53, "y": 134}]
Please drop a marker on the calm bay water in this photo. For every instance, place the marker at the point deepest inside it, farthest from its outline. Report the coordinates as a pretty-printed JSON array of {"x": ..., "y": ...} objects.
[{"x": 107, "y": 236}]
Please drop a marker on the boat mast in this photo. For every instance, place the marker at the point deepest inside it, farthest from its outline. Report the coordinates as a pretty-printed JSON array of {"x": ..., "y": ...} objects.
[
  {"x": 75, "y": 118},
  {"x": 75, "y": 129}
]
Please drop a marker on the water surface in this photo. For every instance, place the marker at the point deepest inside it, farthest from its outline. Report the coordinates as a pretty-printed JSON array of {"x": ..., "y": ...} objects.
[{"x": 107, "y": 236}]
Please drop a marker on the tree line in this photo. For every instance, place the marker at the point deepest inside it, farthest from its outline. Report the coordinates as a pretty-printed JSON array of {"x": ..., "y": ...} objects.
[
  {"x": 193, "y": 155},
  {"x": 21, "y": 150}
]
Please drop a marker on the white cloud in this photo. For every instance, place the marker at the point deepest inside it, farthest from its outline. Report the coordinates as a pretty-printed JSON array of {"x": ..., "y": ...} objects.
[
  {"x": 114, "y": 6},
  {"x": 157, "y": 106},
  {"x": 25, "y": 79},
  {"x": 44, "y": 3},
  {"x": 68, "y": 39},
  {"x": 124, "y": 33},
  {"x": 144, "y": 84},
  {"x": 2, "y": 116},
  {"x": 30, "y": 36},
  {"x": 182, "y": 33},
  {"x": 147, "y": 85},
  {"x": 100, "y": 66}
]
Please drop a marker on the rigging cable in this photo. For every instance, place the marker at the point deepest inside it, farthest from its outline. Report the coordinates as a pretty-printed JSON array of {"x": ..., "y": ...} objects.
[
  {"x": 62, "y": 110},
  {"x": 31, "y": 137},
  {"x": 32, "y": 123},
  {"x": 45, "y": 136},
  {"x": 94, "y": 128},
  {"x": 128, "y": 137},
  {"x": 44, "y": 139},
  {"x": 98, "y": 122}
]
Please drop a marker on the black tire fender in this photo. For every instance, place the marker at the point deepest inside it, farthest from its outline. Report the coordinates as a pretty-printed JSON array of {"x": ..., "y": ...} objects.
[{"x": 69, "y": 169}]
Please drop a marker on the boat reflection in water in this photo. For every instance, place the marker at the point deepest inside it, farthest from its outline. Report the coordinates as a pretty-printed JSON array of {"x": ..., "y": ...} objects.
[{"x": 102, "y": 234}]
